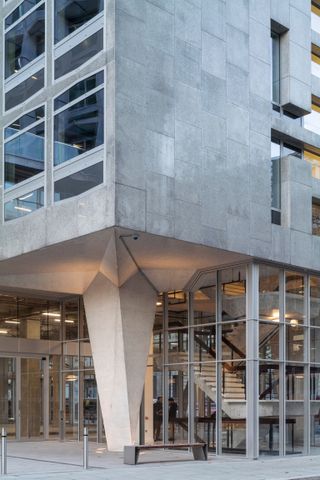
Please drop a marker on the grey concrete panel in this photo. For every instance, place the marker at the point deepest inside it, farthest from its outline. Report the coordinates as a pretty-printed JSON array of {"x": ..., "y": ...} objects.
[
  {"x": 259, "y": 10},
  {"x": 237, "y": 13},
  {"x": 302, "y": 5},
  {"x": 187, "y": 63},
  {"x": 281, "y": 238},
  {"x": 159, "y": 28},
  {"x": 160, "y": 112},
  {"x": 213, "y": 55},
  {"x": 188, "y": 143},
  {"x": 130, "y": 128},
  {"x": 160, "y": 194},
  {"x": 160, "y": 225},
  {"x": 238, "y": 48},
  {"x": 187, "y": 224},
  {"x": 130, "y": 207},
  {"x": 187, "y": 182},
  {"x": 159, "y": 151},
  {"x": 260, "y": 115},
  {"x": 214, "y": 18},
  {"x": 301, "y": 249},
  {"x": 260, "y": 81},
  {"x": 300, "y": 31},
  {"x": 214, "y": 132},
  {"x": 187, "y": 25},
  {"x": 188, "y": 104},
  {"x": 131, "y": 80},
  {"x": 159, "y": 71},
  {"x": 238, "y": 233},
  {"x": 300, "y": 207},
  {"x": 260, "y": 249},
  {"x": 136, "y": 8},
  {"x": 237, "y": 86},
  {"x": 259, "y": 41},
  {"x": 280, "y": 12},
  {"x": 167, "y": 5},
  {"x": 213, "y": 94},
  {"x": 260, "y": 225},
  {"x": 130, "y": 37},
  {"x": 238, "y": 124}
]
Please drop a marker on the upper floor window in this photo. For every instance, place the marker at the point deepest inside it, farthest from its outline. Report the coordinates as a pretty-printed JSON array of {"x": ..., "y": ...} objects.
[
  {"x": 79, "y": 123},
  {"x": 25, "y": 41},
  {"x": 24, "y": 90},
  {"x": 72, "y": 14},
  {"x": 312, "y": 120},
  {"x": 315, "y": 63},
  {"x": 22, "y": 9},
  {"x": 315, "y": 16},
  {"x": 24, "y": 149},
  {"x": 313, "y": 156},
  {"x": 315, "y": 216},
  {"x": 275, "y": 182},
  {"x": 275, "y": 67}
]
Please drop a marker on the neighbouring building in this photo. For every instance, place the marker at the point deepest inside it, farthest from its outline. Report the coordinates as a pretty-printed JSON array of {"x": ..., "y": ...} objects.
[{"x": 160, "y": 222}]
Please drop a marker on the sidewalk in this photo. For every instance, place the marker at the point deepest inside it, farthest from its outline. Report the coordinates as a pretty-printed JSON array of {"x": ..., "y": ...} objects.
[{"x": 63, "y": 461}]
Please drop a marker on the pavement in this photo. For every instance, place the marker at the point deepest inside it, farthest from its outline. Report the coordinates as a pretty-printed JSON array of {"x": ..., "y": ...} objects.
[{"x": 63, "y": 461}]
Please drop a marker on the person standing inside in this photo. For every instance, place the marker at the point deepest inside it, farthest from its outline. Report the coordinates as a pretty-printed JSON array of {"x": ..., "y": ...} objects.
[
  {"x": 157, "y": 418},
  {"x": 173, "y": 408}
]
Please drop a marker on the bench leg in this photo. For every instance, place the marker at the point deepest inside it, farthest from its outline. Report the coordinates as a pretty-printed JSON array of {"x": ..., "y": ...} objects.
[
  {"x": 200, "y": 452},
  {"x": 131, "y": 455}
]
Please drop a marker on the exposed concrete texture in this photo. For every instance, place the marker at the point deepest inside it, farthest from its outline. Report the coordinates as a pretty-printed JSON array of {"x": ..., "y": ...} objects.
[{"x": 120, "y": 322}]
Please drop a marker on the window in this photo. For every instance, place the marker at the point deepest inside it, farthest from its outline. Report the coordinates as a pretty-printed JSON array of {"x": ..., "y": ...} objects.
[
  {"x": 79, "y": 89},
  {"x": 78, "y": 182},
  {"x": 275, "y": 68},
  {"x": 24, "y": 122},
  {"x": 72, "y": 14},
  {"x": 315, "y": 16},
  {"x": 315, "y": 57},
  {"x": 313, "y": 156},
  {"x": 275, "y": 182},
  {"x": 78, "y": 55},
  {"x": 312, "y": 121},
  {"x": 25, "y": 90},
  {"x": 23, "y": 8},
  {"x": 316, "y": 217},
  {"x": 24, "y": 154},
  {"x": 25, "y": 41},
  {"x": 24, "y": 204},
  {"x": 79, "y": 127}
]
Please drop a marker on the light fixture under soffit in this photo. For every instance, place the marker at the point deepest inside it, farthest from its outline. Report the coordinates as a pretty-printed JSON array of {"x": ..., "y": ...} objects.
[
  {"x": 51, "y": 314},
  {"x": 3, "y": 331},
  {"x": 71, "y": 378}
]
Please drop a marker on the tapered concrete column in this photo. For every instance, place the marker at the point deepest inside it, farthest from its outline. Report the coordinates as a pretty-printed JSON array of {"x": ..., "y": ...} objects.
[{"x": 120, "y": 322}]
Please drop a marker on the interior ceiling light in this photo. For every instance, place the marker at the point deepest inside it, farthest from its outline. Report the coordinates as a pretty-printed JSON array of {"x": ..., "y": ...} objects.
[
  {"x": 23, "y": 209},
  {"x": 51, "y": 314},
  {"x": 13, "y": 322}
]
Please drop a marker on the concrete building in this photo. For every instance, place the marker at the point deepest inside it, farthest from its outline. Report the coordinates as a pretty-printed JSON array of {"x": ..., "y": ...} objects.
[{"x": 160, "y": 229}]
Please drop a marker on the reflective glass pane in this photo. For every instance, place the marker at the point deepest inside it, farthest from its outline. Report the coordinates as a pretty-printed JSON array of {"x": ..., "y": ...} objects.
[
  {"x": 291, "y": 150},
  {"x": 268, "y": 293},
  {"x": 178, "y": 406},
  {"x": 233, "y": 341},
  {"x": 71, "y": 412},
  {"x": 78, "y": 182},
  {"x": 79, "y": 128},
  {"x": 79, "y": 54},
  {"x": 23, "y": 8},
  {"x": 23, "y": 205},
  {"x": 294, "y": 343},
  {"x": 314, "y": 159},
  {"x": 314, "y": 382},
  {"x": 315, "y": 345},
  {"x": 295, "y": 382},
  {"x": 204, "y": 305},
  {"x": 268, "y": 382},
  {"x": 204, "y": 341},
  {"x": 90, "y": 402},
  {"x": 315, "y": 301},
  {"x": 24, "y": 156},
  {"x": 72, "y": 14},
  {"x": 25, "y": 41},
  {"x": 24, "y": 90},
  {"x": 275, "y": 67},
  {"x": 294, "y": 427},
  {"x": 295, "y": 287},
  {"x": 54, "y": 396},
  {"x": 275, "y": 175},
  {"x": 24, "y": 122},
  {"x": 233, "y": 406},
  {"x": 312, "y": 120},
  {"x": 79, "y": 89},
  {"x": 315, "y": 218},
  {"x": 269, "y": 341},
  {"x": 71, "y": 319},
  {"x": 269, "y": 428},
  {"x": 205, "y": 404},
  {"x": 8, "y": 395},
  {"x": 177, "y": 309},
  {"x": 178, "y": 345},
  {"x": 315, "y": 428},
  {"x": 233, "y": 294}
]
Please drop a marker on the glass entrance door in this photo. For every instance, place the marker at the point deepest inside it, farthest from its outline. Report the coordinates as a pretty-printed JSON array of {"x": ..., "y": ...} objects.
[
  {"x": 8, "y": 395},
  {"x": 31, "y": 402}
]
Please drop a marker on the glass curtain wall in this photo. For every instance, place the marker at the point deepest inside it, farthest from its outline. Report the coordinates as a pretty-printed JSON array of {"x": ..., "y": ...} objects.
[{"x": 196, "y": 381}]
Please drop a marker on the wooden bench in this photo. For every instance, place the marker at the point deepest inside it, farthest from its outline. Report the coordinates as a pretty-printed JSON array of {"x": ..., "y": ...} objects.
[{"x": 131, "y": 452}]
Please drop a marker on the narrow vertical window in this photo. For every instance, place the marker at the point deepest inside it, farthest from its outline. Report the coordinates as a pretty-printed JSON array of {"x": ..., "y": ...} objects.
[
  {"x": 275, "y": 182},
  {"x": 275, "y": 68}
]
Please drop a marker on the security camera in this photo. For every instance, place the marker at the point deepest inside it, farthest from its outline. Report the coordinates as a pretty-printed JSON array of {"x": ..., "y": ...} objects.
[{"x": 135, "y": 236}]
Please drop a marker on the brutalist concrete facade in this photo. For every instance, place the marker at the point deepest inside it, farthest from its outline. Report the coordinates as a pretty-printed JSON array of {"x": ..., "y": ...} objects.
[{"x": 187, "y": 167}]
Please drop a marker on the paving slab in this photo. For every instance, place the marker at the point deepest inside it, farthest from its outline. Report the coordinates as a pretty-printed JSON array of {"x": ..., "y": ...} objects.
[{"x": 63, "y": 461}]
